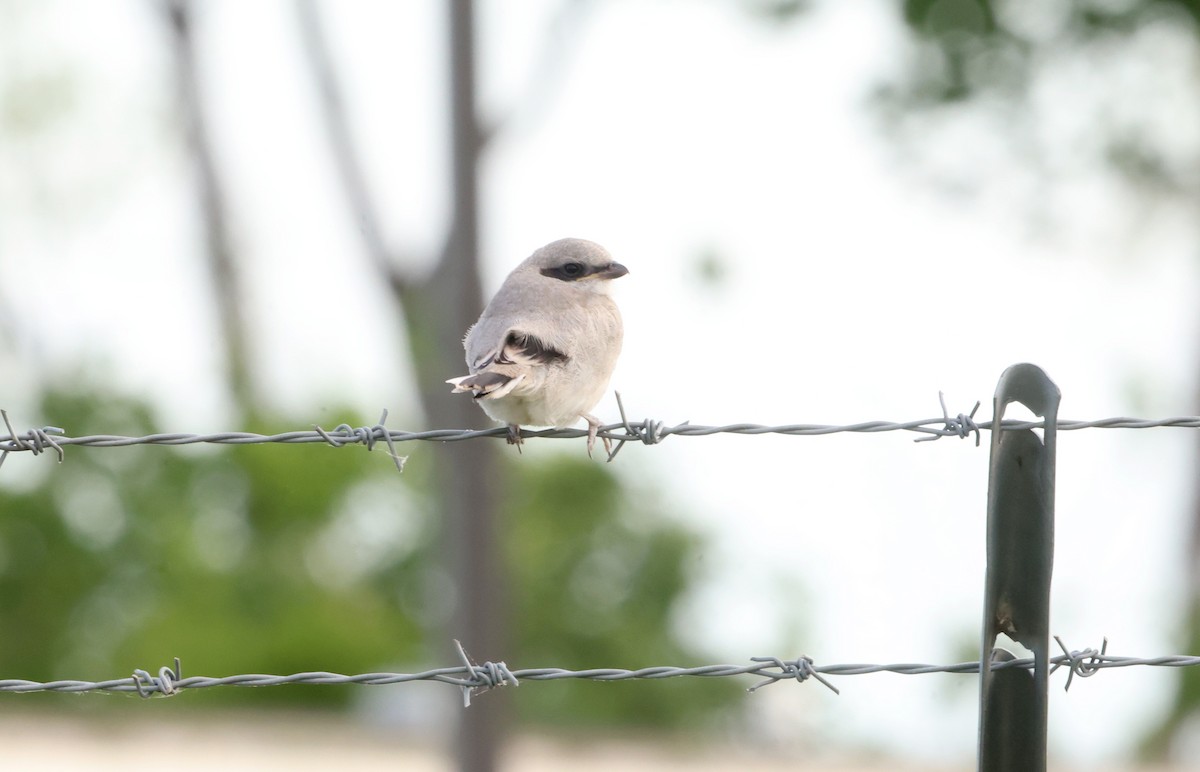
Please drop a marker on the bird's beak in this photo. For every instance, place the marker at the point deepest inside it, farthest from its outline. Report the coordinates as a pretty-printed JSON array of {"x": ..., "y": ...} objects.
[{"x": 611, "y": 271}]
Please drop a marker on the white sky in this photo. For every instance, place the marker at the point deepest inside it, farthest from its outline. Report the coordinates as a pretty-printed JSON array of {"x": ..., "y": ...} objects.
[{"x": 853, "y": 293}]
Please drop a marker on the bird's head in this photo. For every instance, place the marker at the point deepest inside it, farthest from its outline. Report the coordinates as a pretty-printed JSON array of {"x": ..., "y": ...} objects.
[{"x": 584, "y": 264}]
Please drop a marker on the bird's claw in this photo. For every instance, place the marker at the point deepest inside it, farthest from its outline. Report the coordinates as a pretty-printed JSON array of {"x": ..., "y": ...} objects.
[
  {"x": 514, "y": 436},
  {"x": 594, "y": 427}
]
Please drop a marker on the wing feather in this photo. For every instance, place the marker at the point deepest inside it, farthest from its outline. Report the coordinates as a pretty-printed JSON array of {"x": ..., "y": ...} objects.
[{"x": 527, "y": 349}]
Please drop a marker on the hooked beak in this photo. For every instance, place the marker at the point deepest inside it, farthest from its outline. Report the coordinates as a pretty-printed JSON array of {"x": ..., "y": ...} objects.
[{"x": 611, "y": 271}]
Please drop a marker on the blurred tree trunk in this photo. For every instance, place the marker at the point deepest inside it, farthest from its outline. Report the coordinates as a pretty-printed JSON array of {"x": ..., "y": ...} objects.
[
  {"x": 218, "y": 246},
  {"x": 437, "y": 312}
]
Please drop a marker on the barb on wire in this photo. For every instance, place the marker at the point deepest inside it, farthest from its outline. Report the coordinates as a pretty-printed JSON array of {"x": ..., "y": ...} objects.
[
  {"x": 649, "y": 432},
  {"x": 482, "y": 677},
  {"x": 164, "y": 683},
  {"x": 343, "y": 434},
  {"x": 799, "y": 669},
  {"x": 1084, "y": 664},
  {"x": 960, "y": 426},
  {"x": 34, "y": 440},
  {"x": 469, "y": 677}
]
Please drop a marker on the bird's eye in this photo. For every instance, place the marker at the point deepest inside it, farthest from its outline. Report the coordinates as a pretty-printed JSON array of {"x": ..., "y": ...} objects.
[{"x": 572, "y": 269}]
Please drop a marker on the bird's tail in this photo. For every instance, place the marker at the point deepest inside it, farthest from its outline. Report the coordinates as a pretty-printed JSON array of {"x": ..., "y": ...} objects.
[{"x": 486, "y": 384}]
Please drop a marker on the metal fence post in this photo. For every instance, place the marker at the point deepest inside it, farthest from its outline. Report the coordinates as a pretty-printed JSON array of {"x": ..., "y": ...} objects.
[{"x": 1020, "y": 558}]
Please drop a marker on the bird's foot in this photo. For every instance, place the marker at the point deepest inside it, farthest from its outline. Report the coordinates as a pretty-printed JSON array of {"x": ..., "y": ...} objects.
[
  {"x": 593, "y": 427},
  {"x": 514, "y": 436}
]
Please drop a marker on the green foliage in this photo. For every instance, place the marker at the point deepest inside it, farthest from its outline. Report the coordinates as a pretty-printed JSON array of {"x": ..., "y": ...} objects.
[
  {"x": 1186, "y": 703},
  {"x": 125, "y": 558},
  {"x": 1080, "y": 19},
  {"x": 288, "y": 558},
  {"x": 778, "y": 11},
  {"x": 974, "y": 47},
  {"x": 948, "y": 17},
  {"x": 710, "y": 269},
  {"x": 596, "y": 590}
]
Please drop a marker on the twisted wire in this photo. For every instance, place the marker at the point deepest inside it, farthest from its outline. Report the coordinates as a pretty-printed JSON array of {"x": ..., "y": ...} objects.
[
  {"x": 470, "y": 677},
  {"x": 647, "y": 432}
]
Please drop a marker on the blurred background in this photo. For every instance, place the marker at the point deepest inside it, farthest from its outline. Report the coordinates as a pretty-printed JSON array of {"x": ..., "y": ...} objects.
[{"x": 265, "y": 216}]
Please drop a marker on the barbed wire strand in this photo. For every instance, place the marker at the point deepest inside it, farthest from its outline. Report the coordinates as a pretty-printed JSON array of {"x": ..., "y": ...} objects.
[
  {"x": 471, "y": 677},
  {"x": 34, "y": 440},
  {"x": 648, "y": 432}
]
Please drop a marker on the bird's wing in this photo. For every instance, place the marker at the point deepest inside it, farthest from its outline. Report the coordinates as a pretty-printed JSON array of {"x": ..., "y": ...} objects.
[
  {"x": 496, "y": 372},
  {"x": 525, "y": 348},
  {"x": 519, "y": 348}
]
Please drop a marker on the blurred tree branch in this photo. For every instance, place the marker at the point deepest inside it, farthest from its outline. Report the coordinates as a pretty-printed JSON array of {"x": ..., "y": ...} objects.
[
  {"x": 219, "y": 251},
  {"x": 346, "y": 155},
  {"x": 548, "y": 70}
]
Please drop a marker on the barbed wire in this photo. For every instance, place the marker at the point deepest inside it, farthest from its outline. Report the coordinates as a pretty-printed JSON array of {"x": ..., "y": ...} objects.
[
  {"x": 649, "y": 432},
  {"x": 471, "y": 677}
]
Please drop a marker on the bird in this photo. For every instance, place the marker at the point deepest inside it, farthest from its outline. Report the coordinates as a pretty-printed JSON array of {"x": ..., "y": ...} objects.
[{"x": 544, "y": 349}]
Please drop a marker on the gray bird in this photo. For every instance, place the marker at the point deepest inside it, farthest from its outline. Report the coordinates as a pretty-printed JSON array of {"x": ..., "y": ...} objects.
[{"x": 545, "y": 347}]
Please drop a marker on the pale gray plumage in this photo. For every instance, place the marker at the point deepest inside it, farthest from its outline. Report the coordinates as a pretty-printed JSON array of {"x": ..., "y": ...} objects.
[{"x": 545, "y": 347}]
